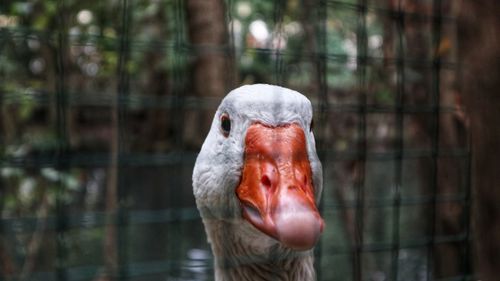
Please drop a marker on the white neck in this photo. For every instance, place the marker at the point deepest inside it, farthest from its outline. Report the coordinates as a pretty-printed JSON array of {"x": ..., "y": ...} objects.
[{"x": 243, "y": 253}]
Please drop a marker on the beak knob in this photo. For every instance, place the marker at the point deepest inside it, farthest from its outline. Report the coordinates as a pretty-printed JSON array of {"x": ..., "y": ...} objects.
[{"x": 276, "y": 191}]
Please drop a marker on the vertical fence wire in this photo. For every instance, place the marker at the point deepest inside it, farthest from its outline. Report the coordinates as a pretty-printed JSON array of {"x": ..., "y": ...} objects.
[
  {"x": 435, "y": 134},
  {"x": 467, "y": 248},
  {"x": 399, "y": 121},
  {"x": 62, "y": 165},
  {"x": 119, "y": 144},
  {"x": 3, "y": 274},
  {"x": 121, "y": 216},
  {"x": 320, "y": 61},
  {"x": 360, "y": 184},
  {"x": 467, "y": 263},
  {"x": 231, "y": 80},
  {"x": 179, "y": 78},
  {"x": 278, "y": 13}
]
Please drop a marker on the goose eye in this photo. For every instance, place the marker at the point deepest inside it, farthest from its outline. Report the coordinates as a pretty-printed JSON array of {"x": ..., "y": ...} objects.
[
  {"x": 311, "y": 126},
  {"x": 225, "y": 124}
]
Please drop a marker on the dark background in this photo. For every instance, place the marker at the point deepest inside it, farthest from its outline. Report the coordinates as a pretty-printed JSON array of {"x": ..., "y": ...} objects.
[{"x": 104, "y": 106}]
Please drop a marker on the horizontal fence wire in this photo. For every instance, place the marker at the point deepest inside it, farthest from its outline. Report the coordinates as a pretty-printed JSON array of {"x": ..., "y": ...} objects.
[
  {"x": 81, "y": 159},
  {"x": 136, "y": 45},
  {"x": 137, "y": 102},
  {"x": 96, "y": 219},
  {"x": 124, "y": 100},
  {"x": 154, "y": 267}
]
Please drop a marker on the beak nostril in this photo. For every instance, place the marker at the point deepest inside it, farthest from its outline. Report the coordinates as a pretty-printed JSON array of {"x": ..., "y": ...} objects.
[{"x": 266, "y": 181}]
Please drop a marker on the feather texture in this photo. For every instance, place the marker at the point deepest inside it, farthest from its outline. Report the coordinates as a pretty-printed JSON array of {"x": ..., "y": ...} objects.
[{"x": 241, "y": 251}]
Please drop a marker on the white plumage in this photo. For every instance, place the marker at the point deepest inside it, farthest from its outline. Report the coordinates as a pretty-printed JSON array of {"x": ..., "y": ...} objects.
[{"x": 242, "y": 251}]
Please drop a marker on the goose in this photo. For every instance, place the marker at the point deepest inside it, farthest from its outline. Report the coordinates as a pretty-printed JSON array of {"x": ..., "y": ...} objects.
[{"x": 257, "y": 181}]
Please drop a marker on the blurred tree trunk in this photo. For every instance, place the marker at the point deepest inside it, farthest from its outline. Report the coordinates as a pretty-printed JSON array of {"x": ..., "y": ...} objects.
[
  {"x": 309, "y": 11},
  {"x": 422, "y": 42},
  {"x": 211, "y": 71},
  {"x": 479, "y": 35}
]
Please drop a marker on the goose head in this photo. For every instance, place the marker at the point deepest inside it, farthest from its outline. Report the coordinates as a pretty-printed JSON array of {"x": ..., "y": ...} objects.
[{"x": 258, "y": 167}]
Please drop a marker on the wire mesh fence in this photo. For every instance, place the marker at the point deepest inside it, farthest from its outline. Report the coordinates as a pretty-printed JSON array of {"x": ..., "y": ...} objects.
[{"x": 105, "y": 104}]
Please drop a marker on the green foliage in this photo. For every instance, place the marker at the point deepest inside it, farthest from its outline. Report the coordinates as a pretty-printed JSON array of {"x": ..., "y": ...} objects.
[{"x": 157, "y": 45}]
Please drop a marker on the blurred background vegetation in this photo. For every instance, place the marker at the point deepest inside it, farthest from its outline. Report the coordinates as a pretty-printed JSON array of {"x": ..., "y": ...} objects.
[{"x": 104, "y": 106}]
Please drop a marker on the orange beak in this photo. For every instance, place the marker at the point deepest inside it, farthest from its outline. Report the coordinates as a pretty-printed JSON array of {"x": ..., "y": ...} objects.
[{"x": 276, "y": 190}]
